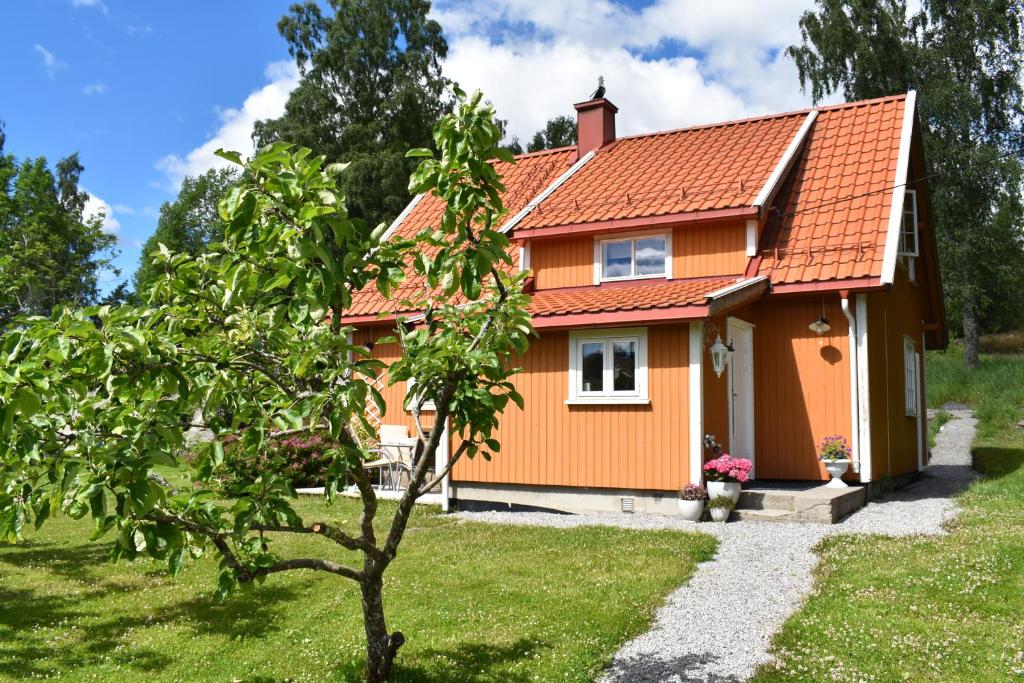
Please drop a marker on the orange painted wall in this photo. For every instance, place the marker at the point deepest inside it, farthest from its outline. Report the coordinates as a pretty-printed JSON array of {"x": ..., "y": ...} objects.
[
  {"x": 697, "y": 251},
  {"x": 712, "y": 249},
  {"x": 891, "y": 315},
  {"x": 801, "y": 385},
  {"x": 550, "y": 443},
  {"x": 394, "y": 395}
]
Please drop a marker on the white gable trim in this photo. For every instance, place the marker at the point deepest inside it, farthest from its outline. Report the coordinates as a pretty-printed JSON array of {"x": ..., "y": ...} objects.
[
  {"x": 401, "y": 217},
  {"x": 774, "y": 181},
  {"x": 735, "y": 287},
  {"x": 525, "y": 211},
  {"x": 892, "y": 239}
]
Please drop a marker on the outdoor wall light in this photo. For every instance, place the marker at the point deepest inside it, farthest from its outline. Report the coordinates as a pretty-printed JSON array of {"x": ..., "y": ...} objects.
[
  {"x": 719, "y": 355},
  {"x": 821, "y": 325}
]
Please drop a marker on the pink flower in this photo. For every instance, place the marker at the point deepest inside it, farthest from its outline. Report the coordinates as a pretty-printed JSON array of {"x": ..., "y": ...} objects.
[{"x": 727, "y": 468}]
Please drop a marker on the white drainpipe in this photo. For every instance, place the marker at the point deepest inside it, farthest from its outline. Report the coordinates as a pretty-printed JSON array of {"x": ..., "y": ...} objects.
[{"x": 854, "y": 393}]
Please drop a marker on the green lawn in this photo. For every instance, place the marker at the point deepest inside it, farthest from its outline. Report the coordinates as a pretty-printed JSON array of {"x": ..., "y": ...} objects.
[
  {"x": 938, "y": 609},
  {"x": 476, "y": 602}
]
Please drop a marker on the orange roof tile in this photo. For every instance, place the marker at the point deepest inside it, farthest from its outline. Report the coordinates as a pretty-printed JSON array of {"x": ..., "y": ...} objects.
[
  {"x": 817, "y": 232},
  {"x": 638, "y": 296},
  {"x": 694, "y": 169}
]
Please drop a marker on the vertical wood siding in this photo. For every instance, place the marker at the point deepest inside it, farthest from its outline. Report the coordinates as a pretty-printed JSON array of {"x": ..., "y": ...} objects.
[
  {"x": 394, "y": 395},
  {"x": 697, "y": 251},
  {"x": 801, "y": 385},
  {"x": 612, "y": 446},
  {"x": 891, "y": 315},
  {"x": 703, "y": 250}
]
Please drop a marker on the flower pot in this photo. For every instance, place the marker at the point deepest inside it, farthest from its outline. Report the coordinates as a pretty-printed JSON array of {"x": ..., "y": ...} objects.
[
  {"x": 837, "y": 468},
  {"x": 720, "y": 514},
  {"x": 724, "y": 488},
  {"x": 691, "y": 510}
]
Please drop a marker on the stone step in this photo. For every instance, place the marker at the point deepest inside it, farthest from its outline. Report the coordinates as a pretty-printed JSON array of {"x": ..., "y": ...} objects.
[
  {"x": 766, "y": 500},
  {"x": 763, "y": 515}
]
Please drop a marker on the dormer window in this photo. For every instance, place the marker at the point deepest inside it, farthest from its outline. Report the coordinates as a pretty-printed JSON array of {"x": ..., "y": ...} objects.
[
  {"x": 909, "y": 247},
  {"x": 634, "y": 257}
]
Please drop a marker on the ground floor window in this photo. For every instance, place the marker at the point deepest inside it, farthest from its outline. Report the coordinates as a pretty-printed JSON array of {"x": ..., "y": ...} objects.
[
  {"x": 911, "y": 364},
  {"x": 608, "y": 366}
]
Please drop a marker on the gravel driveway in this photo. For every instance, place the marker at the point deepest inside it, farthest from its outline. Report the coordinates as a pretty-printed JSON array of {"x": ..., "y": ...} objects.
[{"x": 718, "y": 627}]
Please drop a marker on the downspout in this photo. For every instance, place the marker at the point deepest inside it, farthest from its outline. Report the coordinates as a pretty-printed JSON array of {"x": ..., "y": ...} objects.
[{"x": 854, "y": 376}]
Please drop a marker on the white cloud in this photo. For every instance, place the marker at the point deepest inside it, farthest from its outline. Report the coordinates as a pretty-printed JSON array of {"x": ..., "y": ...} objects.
[
  {"x": 50, "y": 62},
  {"x": 94, "y": 206},
  {"x": 95, "y": 4},
  {"x": 94, "y": 89},
  {"x": 534, "y": 58},
  {"x": 124, "y": 208},
  {"x": 235, "y": 130}
]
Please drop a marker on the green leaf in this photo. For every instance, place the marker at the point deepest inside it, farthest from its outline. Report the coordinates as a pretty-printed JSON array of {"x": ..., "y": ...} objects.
[
  {"x": 419, "y": 152},
  {"x": 234, "y": 157}
]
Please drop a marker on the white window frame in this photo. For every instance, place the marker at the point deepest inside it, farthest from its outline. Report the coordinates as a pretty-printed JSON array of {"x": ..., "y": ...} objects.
[
  {"x": 911, "y": 378},
  {"x": 637, "y": 396},
  {"x": 599, "y": 243},
  {"x": 410, "y": 385},
  {"x": 908, "y": 257}
]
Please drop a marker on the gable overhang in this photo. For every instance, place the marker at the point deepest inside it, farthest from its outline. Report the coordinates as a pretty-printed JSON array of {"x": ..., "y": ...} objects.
[
  {"x": 892, "y": 235},
  {"x": 778, "y": 176},
  {"x": 401, "y": 217},
  {"x": 511, "y": 223},
  {"x": 735, "y": 295},
  {"x": 638, "y": 223}
]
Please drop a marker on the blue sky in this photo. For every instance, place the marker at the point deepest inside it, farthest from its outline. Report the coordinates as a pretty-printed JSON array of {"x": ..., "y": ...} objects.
[{"x": 146, "y": 91}]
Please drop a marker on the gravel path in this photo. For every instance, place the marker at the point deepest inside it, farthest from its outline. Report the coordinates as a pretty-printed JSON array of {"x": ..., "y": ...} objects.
[{"x": 718, "y": 627}]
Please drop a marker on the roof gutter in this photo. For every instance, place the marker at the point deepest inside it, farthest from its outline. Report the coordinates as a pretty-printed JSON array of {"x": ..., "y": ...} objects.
[{"x": 638, "y": 223}]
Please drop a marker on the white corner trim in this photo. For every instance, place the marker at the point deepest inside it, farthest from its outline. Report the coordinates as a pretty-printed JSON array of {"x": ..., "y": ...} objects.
[
  {"x": 401, "y": 217},
  {"x": 751, "y": 238},
  {"x": 863, "y": 390},
  {"x": 779, "y": 172},
  {"x": 844, "y": 303},
  {"x": 514, "y": 221},
  {"x": 524, "y": 257},
  {"x": 892, "y": 238},
  {"x": 735, "y": 287},
  {"x": 696, "y": 402}
]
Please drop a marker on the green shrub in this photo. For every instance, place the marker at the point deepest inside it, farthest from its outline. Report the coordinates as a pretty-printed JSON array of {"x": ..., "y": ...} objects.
[{"x": 301, "y": 459}]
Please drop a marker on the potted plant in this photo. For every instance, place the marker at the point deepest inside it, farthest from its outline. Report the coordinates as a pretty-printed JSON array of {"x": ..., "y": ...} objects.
[
  {"x": 835, "y": 455},
  {"x": 725, "y": 474},
  {"x": 720, "y": 507},
  {"x": 691, "y": 502}
]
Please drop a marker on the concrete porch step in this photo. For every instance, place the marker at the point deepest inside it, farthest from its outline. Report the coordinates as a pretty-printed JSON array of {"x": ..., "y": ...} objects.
[{"x": 789, "y": 502}]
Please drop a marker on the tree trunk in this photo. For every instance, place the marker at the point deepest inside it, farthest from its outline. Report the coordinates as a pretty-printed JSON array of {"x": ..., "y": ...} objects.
[
  {"x": 381, "y": 646},
  {"x": 970, "y": 331}
]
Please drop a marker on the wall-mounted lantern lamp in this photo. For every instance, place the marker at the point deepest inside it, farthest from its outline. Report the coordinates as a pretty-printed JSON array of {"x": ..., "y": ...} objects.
[{"x": 719, "y": 350}]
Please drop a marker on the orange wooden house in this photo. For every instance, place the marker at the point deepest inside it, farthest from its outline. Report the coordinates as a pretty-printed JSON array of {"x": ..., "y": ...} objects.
[{"x": 645, "y": 250}]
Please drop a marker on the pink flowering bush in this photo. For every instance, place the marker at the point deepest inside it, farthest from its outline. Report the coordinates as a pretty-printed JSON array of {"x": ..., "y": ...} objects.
[
  {"x": 834, "y": 448},
  {"x": 727, "y": 468},
  {"x": 303, "y": 460},
  {"x": 693, "y": 492}
]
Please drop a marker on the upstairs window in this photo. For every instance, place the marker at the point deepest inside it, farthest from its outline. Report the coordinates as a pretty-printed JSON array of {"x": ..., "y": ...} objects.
[
  {"x": 909, "y": 248},
  {"x": 632, "y": 258}
]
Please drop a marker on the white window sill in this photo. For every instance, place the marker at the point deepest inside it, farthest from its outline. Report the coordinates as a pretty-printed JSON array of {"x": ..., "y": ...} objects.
[{"x": 608, "y": 400}]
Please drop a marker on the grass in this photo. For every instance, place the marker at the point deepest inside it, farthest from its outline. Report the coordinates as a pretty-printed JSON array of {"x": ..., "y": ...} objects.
[
  {"x": 476, "y": 602},
  {"x": 929, "y": 609}
]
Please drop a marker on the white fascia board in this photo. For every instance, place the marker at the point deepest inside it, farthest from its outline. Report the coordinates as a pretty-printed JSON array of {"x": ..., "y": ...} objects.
[
  {"x": 774, "y": 181},
  {"x": 892, "y": 238},
  {"x": 729, "y": 289},
  {"x": 524, "y": 212},
  {"x": 401, "y": 217}
]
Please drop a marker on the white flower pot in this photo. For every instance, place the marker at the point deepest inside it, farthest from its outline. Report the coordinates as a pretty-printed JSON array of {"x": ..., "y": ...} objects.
[
  {"x": 724, "y": 488},
  {"x": 691, "y": 510},
  {"x": 837, "y": 468},
  {"x": 720, "y": 514}
]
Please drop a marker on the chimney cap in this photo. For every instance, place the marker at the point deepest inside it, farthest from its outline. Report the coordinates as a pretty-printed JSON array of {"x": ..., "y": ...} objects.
[{"x": 593, "y": 104}]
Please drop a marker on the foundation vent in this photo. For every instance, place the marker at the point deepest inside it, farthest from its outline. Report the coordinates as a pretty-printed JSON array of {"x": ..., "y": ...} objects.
[{"x": 627, "y": 503}]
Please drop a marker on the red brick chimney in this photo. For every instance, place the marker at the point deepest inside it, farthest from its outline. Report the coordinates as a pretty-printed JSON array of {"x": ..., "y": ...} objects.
[{"x": 595, "y": 125}]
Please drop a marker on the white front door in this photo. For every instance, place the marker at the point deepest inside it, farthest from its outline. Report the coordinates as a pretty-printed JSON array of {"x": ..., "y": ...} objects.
[{"x": 741, "y": 389}]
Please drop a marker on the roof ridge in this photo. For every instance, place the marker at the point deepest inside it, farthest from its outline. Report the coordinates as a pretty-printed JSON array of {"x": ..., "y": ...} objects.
[
  {"x": 765, "y": 117},
  {"x": 542, "y": 152}
]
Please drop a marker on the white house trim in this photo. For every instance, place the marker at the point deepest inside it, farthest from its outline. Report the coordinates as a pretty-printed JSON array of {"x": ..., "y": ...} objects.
[
  {"x": 774, "y": 181},
  {"x": 639, "y": 394},
  {"x": 892, "y": 239},
  {"x": 696, "y": 402},
  {"x": 751, "y": 238},
  {"x": 401, "y": 217},
  {"x": 863, "y": 395},
  {"x": 854, "y": 384},
  {"x": 524, "y": 257},
  {"x": 735, "y": 287},
  {"x": 524, "y": 212}
]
